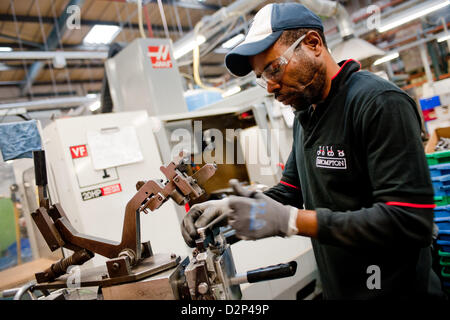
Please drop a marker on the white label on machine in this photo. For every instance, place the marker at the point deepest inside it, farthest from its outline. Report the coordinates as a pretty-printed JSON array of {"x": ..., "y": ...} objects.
[
  {"x": 113, "y": 147},
  {"x": 99, "y": 192},
  {"x": 87, "y": 176}
]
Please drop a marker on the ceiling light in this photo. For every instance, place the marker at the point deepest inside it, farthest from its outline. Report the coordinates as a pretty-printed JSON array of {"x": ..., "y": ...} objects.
[
  {"x": 386, "y": 58},
  {"x": 101, "y": 34},
  {"x": 231, "y": 43},
  {"x": 5, "y": 49},
  {"x": 231, "y": 91},
  {"x": 443, "y": 38},
  {"x": 418, "y": 12},
  {"x": 188, "y": 46}
]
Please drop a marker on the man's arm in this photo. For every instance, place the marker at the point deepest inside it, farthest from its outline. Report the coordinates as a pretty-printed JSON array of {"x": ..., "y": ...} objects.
[
  {"x": 402, "y": 212},
  {"x": 288, "y": 191}
]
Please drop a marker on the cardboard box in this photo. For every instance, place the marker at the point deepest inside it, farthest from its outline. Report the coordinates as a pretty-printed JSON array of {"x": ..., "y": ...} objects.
[{"x": 434, "y": 138}]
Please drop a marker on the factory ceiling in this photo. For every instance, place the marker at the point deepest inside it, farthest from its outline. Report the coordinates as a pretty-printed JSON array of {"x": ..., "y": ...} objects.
[{"x": 40, "y": 25}]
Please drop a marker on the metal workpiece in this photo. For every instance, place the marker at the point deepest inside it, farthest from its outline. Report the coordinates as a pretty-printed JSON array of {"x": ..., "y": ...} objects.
[{"x": 208, "y": 273}]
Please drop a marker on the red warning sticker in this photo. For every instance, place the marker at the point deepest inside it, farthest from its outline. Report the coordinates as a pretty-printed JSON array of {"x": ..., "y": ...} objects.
[
  {"x": 96, "y": 193},
  {"x": 111, "y": 189}
]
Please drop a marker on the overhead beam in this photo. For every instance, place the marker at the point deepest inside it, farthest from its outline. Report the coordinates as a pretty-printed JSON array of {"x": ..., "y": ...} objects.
[
  {"x": 84, "y": 22},
  {"x": 50, "y": 83},
  {"x": 17, "y": 40},
  {"x": 55, "y": 103},
  {"x": 190, "y": 4},
  {"x": 45, "y": 55}
]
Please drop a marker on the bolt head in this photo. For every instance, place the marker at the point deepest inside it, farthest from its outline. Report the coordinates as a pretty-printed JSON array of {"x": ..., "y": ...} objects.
[
  {"x": 202, "y": 288},
  {"x": 116, "y": 265}
]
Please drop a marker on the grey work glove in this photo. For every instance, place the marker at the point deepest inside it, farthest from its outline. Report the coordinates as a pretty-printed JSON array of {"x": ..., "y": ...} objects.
[
  {"x": 200, "y": 215},
  {"x": 261, "y": 217}
]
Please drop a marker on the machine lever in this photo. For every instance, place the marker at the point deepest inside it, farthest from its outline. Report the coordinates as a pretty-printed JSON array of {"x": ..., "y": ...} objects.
[
  {"x": 40, "y": 172},
  {"x": 282, "y": 270},
  {"x": 40, "y": 169}
]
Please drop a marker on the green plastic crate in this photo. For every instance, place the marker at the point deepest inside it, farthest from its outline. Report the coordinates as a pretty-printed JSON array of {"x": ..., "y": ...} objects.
[
  {"x": 444, "y": 261},
  {"x": 445, "y": 272},
  {"x": 438, "y": 157},
  {"x": 441, "y": 200},
  {"x": 443, "y": 253}
]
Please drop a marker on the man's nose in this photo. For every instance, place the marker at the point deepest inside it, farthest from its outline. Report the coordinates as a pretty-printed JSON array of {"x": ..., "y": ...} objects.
[{"x": 273, "y": 86}]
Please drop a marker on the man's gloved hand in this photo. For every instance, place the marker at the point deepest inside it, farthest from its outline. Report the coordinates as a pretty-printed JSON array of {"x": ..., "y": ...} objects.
[
  {"x": 202, "y": 214},
  {"x": 252, "y": 214},
  {"x": 199, "y": 216},
  {"x": 261, "y": 217}
]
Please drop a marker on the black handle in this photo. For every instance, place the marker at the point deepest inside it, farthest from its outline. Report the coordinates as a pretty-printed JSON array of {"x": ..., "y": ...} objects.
[
  {"x": 40, "y": 170},
  {"x": 282, "y": 270}
]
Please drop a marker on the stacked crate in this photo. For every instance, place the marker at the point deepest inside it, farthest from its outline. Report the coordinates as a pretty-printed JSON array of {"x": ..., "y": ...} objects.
[{"x": 439, "y": 163}]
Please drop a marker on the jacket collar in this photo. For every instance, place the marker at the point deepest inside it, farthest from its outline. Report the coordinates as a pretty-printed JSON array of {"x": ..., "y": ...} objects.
[{"x": 348, "y": 67}]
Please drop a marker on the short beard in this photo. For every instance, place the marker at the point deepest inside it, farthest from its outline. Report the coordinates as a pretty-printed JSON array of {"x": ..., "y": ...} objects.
[{"x": 313, "y": 92}]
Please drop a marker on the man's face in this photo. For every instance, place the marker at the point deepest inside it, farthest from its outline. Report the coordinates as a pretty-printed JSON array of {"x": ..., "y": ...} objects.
[{"x": 304, "y": 78}]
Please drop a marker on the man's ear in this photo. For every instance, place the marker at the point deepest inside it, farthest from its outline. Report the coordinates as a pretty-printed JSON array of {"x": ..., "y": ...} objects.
[{"x": 314, "y": 42}]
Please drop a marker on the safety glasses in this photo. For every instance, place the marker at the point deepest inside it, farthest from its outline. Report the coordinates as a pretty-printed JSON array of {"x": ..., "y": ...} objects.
[{"x": 275, "y": 70}]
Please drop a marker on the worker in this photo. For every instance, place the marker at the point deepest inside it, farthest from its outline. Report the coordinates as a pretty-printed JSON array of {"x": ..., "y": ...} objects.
[{"x": 356, "y": 180}]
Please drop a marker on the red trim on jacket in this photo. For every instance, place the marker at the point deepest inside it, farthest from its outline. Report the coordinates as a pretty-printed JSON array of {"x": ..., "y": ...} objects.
[
  {"x": 288, "y": 184},
  {"x": 412, "y": 205},
  {"x": 344, "y": 65}
]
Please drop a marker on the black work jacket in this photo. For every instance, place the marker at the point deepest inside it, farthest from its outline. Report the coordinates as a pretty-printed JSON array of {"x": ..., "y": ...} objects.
[{"x": 358, "y": 160}]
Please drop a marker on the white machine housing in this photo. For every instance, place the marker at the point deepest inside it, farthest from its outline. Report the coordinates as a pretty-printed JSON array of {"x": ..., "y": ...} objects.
[
  {"x": 145, "y": 76},
  {"x": 101, "y": 214}
]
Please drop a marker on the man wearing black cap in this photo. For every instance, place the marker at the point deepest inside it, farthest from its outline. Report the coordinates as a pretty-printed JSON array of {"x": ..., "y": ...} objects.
[{"x": 356, "y": 180}]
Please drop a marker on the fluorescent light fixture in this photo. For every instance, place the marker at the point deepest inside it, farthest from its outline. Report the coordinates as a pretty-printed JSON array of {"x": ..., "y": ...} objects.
[
  {"x": 420, "y": 12},
  {"x": 443, "y": 38},
  {"x": 188, "y": 46},
  {"x": 386, "y": 58},
  {"x": 5, "y": 49},
  {"x": 91, "y": 95},
  {"x": 101, "y": 34},
  {"x": 231, "y": 91},
  {"x": 231, "y": 43},
  {"x": 94, "y": 106}
]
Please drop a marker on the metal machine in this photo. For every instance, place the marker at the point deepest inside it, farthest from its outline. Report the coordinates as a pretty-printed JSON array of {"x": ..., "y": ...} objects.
[{"x": 133, "y": 271}]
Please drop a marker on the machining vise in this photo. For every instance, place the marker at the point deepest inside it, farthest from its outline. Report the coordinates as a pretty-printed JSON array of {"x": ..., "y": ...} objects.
[{"x": 133, "y": 271}]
